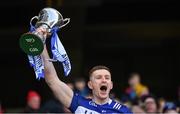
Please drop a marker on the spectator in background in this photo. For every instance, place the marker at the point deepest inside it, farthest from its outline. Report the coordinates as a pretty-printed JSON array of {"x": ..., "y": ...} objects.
[
  {"x": 81, "y": 87},
  {"x": 136, "y": 109},
  {"x": 161, "y": 104},
  {"x": 33, "y": 102},
  {"x": 150, "y": 104},
  {"x": 136, "y": 89},
  {"x": 170, "y": 108}
]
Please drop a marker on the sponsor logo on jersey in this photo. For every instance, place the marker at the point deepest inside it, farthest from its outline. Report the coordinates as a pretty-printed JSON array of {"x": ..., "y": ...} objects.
[{"x": 92, "y": 103}]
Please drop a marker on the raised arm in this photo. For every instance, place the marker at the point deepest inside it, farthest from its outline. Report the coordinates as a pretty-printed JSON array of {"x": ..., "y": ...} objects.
[{"x": 62, "y": 92}]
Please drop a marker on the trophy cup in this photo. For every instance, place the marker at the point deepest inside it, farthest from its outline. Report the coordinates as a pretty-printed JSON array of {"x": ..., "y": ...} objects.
[{"x": 32, "y": 43}]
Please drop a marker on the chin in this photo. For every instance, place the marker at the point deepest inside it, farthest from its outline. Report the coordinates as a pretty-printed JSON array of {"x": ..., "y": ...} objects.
[{"x": 104, "y": 96}]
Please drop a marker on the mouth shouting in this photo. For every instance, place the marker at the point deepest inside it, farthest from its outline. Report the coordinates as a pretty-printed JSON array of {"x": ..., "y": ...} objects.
[{"x": 103, "y": 88}]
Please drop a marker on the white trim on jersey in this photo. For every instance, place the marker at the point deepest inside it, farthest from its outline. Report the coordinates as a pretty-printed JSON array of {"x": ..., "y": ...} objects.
[
  {"x": 117, "y": 106},
  {"x": 110, "y": 101}
]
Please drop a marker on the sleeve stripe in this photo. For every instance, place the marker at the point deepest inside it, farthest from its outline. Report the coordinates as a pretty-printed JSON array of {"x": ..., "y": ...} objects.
[{"x": 117, "y": 106}]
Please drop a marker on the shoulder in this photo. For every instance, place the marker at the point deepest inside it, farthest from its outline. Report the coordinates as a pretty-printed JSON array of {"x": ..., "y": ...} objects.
[
  {"x": 121, "y": 108},
  {"x": 78, "y": 100}
]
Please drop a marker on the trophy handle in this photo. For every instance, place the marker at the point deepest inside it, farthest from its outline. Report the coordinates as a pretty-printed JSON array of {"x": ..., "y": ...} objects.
[
  {"x": 66, "y": 20},
  {"x": 35, "y": 17}
]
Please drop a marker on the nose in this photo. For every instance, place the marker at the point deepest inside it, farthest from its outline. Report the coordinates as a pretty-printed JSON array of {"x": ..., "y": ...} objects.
[{"x": 104, "y": 79}]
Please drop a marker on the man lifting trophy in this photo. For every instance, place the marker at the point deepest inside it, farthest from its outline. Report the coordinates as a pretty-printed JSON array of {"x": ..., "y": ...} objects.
[{"x": 48, "y": 22}]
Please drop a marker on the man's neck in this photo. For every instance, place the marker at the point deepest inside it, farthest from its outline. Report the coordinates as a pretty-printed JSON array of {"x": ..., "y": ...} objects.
[{"x": 101, "y": 101}]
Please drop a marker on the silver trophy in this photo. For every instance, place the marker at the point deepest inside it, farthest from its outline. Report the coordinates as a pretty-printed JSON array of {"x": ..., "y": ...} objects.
[{"x": 32, "y": 43}]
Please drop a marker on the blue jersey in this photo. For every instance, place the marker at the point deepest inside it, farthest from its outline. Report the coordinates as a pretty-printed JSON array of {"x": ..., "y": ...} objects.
[{"x": 81, "y": 105}]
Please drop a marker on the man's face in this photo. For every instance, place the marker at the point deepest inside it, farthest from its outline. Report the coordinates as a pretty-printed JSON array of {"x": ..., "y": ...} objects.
[
  {"x": 150, "y": 105},
  {"x": 34, "y": 102},
  {"x": 100, "y": 83},
  {"x": 134, "y": 80},
  {"x": 80, "y": 85}
]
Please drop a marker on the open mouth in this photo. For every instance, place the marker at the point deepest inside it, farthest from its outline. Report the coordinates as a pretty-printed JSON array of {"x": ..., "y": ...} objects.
[{"x": 103, "y": 88}]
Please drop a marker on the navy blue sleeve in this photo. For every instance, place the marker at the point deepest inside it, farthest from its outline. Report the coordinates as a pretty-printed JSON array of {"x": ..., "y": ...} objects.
[{"x": 74, "y": 102}]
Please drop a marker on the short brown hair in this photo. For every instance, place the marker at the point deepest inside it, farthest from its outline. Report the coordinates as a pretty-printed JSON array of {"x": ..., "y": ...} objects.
[{"x": 98, "y": 67}]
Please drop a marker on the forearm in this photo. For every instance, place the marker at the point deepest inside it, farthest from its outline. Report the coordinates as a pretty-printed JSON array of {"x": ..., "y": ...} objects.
[
  {"x": 49, "y": 70},
  {"x": 63, "y": 93}
]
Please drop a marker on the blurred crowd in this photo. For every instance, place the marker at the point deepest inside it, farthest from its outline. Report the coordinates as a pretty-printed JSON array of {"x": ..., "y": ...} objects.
[
  {"x": 137, "y": 96},
  {"x": 140, "y": 99}
]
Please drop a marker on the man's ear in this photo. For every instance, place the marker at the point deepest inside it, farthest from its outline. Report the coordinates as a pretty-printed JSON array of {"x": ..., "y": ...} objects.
[
  {"x": 111, "y": 85},
  {"x": 90, "y": 84}
]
